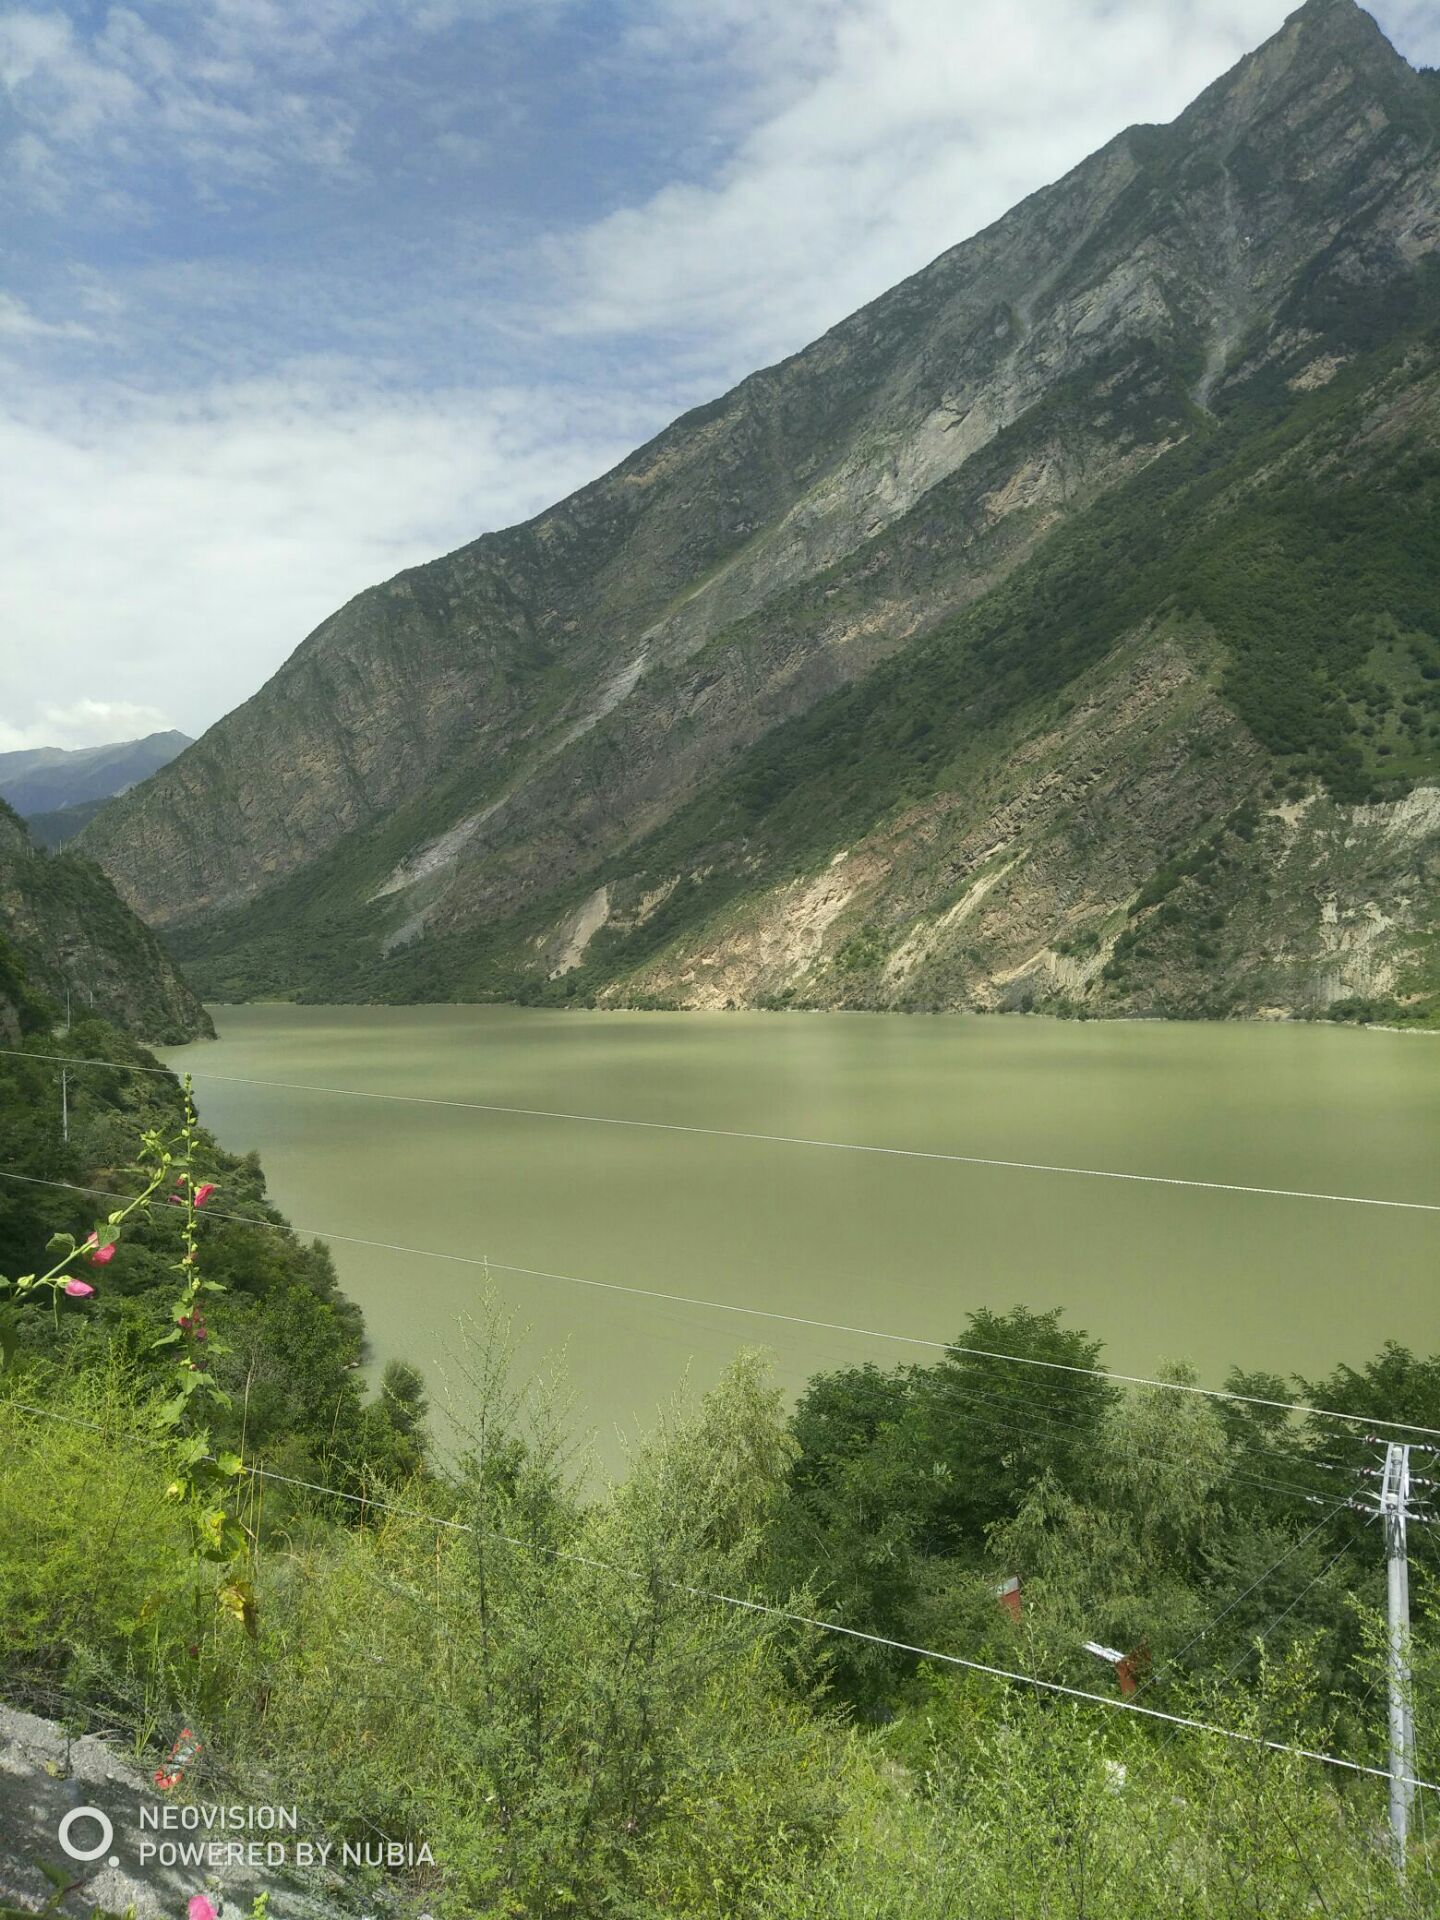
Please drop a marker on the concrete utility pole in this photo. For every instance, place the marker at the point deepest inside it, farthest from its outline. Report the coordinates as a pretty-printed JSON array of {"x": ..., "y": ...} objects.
[
  {"x": 1394, "y": 1504},
  {"x": 65, "y": 1106}
]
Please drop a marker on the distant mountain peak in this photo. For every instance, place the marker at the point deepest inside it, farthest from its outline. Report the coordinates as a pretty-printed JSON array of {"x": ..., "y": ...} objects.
[
  {"x": 39, "y": 780},
  {"x": 1328, "y": 27},
  {"x": 1308, "y": 42}
]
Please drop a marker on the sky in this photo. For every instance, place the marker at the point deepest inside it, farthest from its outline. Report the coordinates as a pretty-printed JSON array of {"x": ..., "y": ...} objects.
[{"x": 294, "y": 296}]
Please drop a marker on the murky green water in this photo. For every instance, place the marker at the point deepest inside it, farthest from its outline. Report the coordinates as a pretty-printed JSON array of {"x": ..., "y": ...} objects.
[{"x": 881, "y": 1241}]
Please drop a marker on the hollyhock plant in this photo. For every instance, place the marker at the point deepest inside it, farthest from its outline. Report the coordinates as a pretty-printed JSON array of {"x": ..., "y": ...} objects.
[
  {"x": 205, "y": 1483},
  {"x": 156, "y": 1163},
  {"x": 199, "y": 1908}
]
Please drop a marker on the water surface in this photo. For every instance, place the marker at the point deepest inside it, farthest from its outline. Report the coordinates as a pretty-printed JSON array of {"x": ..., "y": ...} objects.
[{"x": 895, "y": 1244}]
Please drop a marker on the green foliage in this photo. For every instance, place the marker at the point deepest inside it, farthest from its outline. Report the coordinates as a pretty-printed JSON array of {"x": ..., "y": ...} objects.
[
  {"x": 1160, "y": 1522},
  {"x": 68, "y": 928},
  {"x": 619, "y": 1700},
  {"x": 32, "y": 1012},
  {"x": 93, "y": 1547},
  {"x": 541, "y": 1686},
  {"x": 1030, "y": 1810},
  {"x": 1301, "y": 587},
  {"x": 897, "y": 1471},
  {"x": 286, "y": 1373}
]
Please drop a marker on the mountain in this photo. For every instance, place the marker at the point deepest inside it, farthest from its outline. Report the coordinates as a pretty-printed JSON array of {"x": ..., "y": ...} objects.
[
  {"x": 1062, "y": 629},
  {"x": 58, "y": 828},
  {"x": 64, "y": 927},
  {"x": 45, "y": 779}
]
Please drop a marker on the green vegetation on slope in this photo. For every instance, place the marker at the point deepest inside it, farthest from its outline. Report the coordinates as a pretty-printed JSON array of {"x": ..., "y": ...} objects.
[
  {"x": 539, "y": 1682},
  {"x": 292, "y": 1338},
  {"x": 1319, "y": 586},
  {"x": 1277, "y": 542},
  {"x": 544, "y": 1691},
  {"x": 73, "y": 931},
  {"x": 53, "y": 829}
]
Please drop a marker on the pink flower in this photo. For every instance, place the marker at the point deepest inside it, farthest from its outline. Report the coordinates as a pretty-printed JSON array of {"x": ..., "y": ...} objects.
[
  {"x": 100, "y": 1256},
  {"x": 199, "y": 1908},
  {"x": 202, "y": 1194},
  {"x": 78, "y": 1289}
]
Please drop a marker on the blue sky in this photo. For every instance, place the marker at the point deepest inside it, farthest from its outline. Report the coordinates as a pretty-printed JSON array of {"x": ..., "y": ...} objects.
[{"x": 293, "y": 296}]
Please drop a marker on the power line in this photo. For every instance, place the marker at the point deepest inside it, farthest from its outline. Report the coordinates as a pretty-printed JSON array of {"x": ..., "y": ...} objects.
[
  {"x": 1178, "y": 1721},
  {"x": 1056, "y": 1421},
  {"x": 1152, "y": 1679},
  {"x": 1052, "y": 1419},
  {"x": 765, "y": 1139},
  {"x": 1368, "y": 1421},
  {"x": 1285, "y": 1612}
]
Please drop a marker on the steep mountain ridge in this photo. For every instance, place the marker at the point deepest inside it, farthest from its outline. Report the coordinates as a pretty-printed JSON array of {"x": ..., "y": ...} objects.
[
  {"x": 63, "y": 922},
  {"x": 464, "y": 770}
]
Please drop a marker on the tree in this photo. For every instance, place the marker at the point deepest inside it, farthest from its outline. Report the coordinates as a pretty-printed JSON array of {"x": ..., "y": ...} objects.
[{"x": 984, "y": 1428}]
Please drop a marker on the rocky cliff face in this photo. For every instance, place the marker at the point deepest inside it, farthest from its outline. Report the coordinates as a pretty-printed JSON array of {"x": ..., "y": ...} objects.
[
  {"x": 618, "y": 750},
  {"x": 63, "y": 920}
]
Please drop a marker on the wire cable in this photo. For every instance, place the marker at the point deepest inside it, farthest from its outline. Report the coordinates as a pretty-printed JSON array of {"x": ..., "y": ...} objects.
[
  {"x": 1052, "y": 1420},
  {"x": 1179, "y": 1721},
  {"x": 1152, "y": 1679},
  {"x": 487, "y": 1265},
  {"x": 737, "y": 1133}
]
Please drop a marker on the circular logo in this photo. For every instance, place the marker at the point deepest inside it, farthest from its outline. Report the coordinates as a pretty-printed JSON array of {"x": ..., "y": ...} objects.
[{"x": 107, "y": 1833}]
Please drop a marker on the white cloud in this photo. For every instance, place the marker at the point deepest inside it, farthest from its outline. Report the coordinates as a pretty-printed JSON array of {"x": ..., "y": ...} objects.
[
  {"x": 126, "y": 92},
  {"x": 926, "y": 121},
  {"x": 172, "y": 550},
  {"x": 85, "y": 723},
  {"x": 19, "y": 322},
  {"x": 171, "y": 547},
  {"x": 227, "y": 92}
]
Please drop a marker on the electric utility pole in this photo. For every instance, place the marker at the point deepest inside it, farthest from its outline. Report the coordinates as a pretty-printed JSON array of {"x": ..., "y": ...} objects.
[
  {"x": 65, "y": 1106},
  {"x": 1394, "y": 1504}
]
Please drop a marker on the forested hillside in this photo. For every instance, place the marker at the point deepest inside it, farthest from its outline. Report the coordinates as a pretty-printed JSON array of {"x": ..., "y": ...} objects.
[{"x": 81, "y": 946}]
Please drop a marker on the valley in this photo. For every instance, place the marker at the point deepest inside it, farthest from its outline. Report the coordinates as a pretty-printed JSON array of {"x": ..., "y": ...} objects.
[{"x": 511, "y": 1349}]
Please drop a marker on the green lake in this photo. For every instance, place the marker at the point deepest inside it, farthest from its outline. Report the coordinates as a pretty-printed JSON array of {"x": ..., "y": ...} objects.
[{"x": 882, "y": 1241}]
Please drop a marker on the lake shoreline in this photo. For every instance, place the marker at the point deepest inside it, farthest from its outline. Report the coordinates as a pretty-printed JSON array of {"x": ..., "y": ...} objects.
[{"x": 1279, "y": 1019}]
